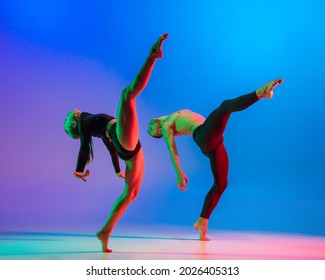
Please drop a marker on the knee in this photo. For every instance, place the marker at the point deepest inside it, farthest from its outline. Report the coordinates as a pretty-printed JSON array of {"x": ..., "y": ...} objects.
[
  {"x": 220, "y": 187},
  {"x": 225, "y": 106},
  {"x": 132, "y": 195},
  {"x": 128, "y": 93}
]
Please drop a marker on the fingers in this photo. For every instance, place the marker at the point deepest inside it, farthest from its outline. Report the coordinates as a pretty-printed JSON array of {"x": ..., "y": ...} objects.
[
  {"x": 81, "y": 177},
  {"x": 121, "y": 175},
  {"x": 182, "y": 186}
]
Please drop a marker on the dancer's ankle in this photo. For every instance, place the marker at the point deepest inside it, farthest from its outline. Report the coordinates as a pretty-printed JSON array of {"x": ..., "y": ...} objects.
[
  {"x": 202, "y": 226},
  {"x": 102, "y": 234},
  {"x": 203, "y": 220},
  {"x": 103, "y": 237}
]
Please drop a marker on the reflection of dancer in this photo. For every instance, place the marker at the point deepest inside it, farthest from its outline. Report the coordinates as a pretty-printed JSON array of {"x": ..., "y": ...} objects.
[
  {"x": 208, "y": 135},
  {"x": 120, "y": 136}
]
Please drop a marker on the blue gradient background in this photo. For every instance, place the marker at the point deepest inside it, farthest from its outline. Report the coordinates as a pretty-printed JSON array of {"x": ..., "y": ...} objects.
[{"x": 58, "y": 55}]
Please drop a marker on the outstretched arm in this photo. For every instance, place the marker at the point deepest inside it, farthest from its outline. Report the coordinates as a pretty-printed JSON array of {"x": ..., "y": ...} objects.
[
  {"x": 168, "y": 132},
  {"x": 114, "y": 156},
  {"x": 84, "y": 151}
]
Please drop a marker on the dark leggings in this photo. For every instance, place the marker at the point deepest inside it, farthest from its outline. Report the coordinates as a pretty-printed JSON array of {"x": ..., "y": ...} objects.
[{"x": 209, "y": 138}]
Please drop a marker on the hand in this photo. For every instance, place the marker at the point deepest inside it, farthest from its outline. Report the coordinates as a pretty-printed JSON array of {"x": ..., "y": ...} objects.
[
  {"x": 181, "y": 180},
  {"x": 81, "y": 176},
  {"x": 121, "y": 175}
]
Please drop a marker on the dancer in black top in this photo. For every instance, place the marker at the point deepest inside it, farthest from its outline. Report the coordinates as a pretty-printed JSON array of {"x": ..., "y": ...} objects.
[
  {"x": 120, "y": 136},
  {"x": 94, "y": 125},
  {"x": 208, "y": 135},
  {"x": 99, "y": 125}
]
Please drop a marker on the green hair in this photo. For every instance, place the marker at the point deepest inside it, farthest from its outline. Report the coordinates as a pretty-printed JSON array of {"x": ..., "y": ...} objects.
[{"x": 71, "y": 128}]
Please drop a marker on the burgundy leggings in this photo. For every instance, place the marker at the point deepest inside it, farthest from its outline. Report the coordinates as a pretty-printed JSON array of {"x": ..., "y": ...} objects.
[{"x": 209, "y": 138}]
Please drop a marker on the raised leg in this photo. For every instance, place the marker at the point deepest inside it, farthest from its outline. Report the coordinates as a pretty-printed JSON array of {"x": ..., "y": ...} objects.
[
  {"x": 127, "y": 128},
  {"x": 209, "y": 134},
  {"x": 133, "y": 180}
]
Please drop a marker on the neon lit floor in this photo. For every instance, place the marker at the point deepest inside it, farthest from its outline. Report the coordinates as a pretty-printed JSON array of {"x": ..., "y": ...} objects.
[{"x": 161, "y": 244}]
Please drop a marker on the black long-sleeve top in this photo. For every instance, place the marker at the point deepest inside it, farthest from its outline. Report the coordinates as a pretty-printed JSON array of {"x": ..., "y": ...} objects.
[{"x": 94, "y": 125}]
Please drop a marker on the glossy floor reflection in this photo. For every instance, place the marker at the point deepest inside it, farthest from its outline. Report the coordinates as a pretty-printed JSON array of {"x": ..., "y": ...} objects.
[{"x": 161, "y": 244}]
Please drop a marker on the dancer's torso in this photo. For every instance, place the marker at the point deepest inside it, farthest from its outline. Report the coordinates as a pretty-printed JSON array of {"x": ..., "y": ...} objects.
[
  {"x": 187, "y": 121},
  {"x": 95, "y": 124}
]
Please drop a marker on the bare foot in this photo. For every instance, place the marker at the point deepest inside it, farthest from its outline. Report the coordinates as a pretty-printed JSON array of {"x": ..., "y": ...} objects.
[
  {"x": 267, "y": 89},
  {"x": 103, "y": 238},
  {"x": 202, "y": 226},
  {"x": 156, "y": 49}
]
